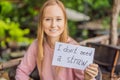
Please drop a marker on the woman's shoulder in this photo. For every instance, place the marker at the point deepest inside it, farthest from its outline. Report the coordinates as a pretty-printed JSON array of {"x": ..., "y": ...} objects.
[
  {"x": 34, "y": 44},
  {"x": 33, "y": 47}
]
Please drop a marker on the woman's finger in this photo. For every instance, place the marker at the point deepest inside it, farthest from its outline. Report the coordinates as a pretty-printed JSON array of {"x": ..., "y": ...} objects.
[
  {"x": 92, "y": 70},
  {"x": 92, "y": 73},
  {"x": 94, "y": 65},
  {"x": 95, "y": 69}
]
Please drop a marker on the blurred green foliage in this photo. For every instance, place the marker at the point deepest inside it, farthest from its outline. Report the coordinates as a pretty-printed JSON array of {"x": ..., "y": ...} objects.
[
  {"x": 93, "y": 8},
  {"x": 105, "y": 23},
  {"x": 6, "y": 8},
  {"x": 96, "y": 9},
  {"x": 10, "y": 30}
]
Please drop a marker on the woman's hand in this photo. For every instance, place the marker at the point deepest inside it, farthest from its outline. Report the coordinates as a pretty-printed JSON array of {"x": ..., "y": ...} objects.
[{"x": 91, "y": 72}]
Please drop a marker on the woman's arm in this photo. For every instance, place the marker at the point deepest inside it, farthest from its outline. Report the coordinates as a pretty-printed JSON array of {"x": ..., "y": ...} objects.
[{"x": 28, "y": 63}]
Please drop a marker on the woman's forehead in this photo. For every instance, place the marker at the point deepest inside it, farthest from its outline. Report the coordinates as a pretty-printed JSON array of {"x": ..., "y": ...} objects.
[{"x": 53, "y": 10}]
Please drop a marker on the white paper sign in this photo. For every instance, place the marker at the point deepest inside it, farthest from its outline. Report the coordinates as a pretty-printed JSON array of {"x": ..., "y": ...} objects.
[{"x": 72, "y": 56}]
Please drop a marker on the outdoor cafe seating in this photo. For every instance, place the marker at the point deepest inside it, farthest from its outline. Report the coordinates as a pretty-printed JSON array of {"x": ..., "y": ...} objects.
[{"x": 107, "y": 57}]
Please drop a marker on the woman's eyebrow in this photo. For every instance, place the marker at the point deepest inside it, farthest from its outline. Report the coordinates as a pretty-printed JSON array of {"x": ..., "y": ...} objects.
[
  {"x": 47, "y": 17},
  {"x": 51, "y": 16}
]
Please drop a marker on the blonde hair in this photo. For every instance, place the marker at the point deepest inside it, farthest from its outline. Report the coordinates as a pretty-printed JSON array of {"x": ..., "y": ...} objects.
[{"x": 41, "y": 34}]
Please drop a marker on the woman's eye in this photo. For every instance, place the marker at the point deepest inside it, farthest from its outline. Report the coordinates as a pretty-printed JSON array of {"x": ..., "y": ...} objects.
[
  {"x": 59, "y": 19},
  {"x": 47, "y": 19}
]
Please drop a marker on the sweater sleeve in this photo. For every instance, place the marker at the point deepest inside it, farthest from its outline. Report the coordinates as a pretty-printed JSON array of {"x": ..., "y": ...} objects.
[
  {"x": 78, "y": 74},
  {"x": 28, "y": 63}
]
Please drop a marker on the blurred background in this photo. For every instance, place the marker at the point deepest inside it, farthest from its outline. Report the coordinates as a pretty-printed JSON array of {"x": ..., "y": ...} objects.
[{"x": 19, "y": 18}]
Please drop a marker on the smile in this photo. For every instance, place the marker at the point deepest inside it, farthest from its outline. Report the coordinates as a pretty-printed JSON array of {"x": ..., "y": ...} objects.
[{"x": 53, "y": 30}]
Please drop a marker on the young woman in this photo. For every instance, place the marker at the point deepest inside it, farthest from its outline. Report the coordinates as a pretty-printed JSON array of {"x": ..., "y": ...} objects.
[{"x": 52, "y": 28}]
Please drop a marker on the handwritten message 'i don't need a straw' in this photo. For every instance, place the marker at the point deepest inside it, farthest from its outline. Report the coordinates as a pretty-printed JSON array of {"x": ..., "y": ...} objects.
[{"x": 72, "y": 56}]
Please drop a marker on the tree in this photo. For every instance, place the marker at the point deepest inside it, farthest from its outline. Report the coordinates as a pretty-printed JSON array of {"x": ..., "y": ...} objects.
[{"x": 114, "y": 22}]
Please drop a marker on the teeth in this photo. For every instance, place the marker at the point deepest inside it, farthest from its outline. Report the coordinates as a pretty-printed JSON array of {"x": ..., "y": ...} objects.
[{"x": 53, "y": 30}]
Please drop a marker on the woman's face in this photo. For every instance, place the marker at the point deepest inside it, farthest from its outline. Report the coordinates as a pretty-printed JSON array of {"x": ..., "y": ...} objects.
[{"x": 53, "y": 21}]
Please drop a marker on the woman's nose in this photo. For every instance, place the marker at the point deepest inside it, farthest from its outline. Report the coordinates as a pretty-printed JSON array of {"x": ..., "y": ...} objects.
[{"x": 54, "y": 23}]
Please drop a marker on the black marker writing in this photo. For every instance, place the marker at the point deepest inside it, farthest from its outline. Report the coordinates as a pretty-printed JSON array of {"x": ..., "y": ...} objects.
[
  {"x": 59, "y": 58},
  {"x": 74, "y": 60},
  {"x": 59, "y": 47}
]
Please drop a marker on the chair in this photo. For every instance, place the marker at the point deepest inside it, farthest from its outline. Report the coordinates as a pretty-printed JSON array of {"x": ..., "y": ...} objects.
[
  {"x": 107, "y": 56},
  {"x": 11, "y": 66}
]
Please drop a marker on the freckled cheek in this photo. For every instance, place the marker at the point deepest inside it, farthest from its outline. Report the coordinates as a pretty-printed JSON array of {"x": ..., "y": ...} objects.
[
  {"x": 46, "y": 26},
  {"x": 46, "y": 29},
  {"x": 61, "y": 26}
]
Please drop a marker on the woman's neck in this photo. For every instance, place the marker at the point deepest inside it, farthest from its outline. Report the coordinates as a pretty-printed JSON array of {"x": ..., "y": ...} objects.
[{"x": 51, "y": 42}]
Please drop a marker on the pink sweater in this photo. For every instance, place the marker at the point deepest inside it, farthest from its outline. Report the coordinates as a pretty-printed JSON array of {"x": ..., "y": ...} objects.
[{"x": 28, "y": 64}]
